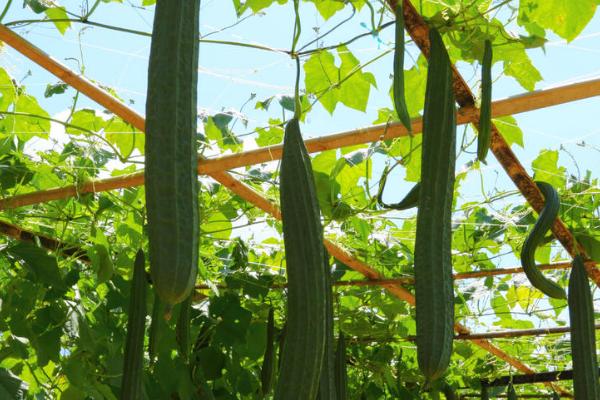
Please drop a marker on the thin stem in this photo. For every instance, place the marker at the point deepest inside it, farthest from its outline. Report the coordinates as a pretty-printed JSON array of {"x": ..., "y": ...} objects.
[
  {"x": 331, "y": 30},
  {"x": 6, "y": 7},
  {"x": 90, "y": 11},
  {"x": 239, "y": 21},
  {"x": 346, "y": 43},
  {"x": 297, "y": 31},
  {"x": 139, "y": 33},
  {"x": 297, "y": 27},
  {"x": 298, "y": 103}
]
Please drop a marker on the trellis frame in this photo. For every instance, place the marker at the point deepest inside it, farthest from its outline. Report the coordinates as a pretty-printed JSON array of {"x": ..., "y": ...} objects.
[
  {"x": 528, "y": 101},
  {"x": 418, "y": 30}
]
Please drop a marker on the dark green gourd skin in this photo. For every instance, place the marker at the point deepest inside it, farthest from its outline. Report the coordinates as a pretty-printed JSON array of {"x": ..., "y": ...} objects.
[
  {"x": 133, "y": 365},
  {"x": 433, "y": 265},
  {"x": 510, "y": 393},
  {"x": 409, "y": 201},
  {"x": 182, "y": 328},
  {"x": 536, "y": 237},
  {"x": 484, "y": 393},
  {"x": 399, "y": 98},
  {"x": 267, "y": 369},
  {"x": 449, "y": 392},
  {"x": 327, "y": 389},
  {"x": 307, "y": 281},
  {"x": 341, "y": 373},
  {"x": 171, "y": 155},
  {"x": 583, "y": 334},
  {"x": 485, "y": 114}
]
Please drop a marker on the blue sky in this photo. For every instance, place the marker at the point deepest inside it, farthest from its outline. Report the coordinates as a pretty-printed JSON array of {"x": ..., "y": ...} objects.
[{"x": 228, "y": 75}]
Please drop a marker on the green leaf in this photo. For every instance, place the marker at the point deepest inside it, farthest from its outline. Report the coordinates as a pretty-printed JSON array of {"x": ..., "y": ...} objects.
[
  {"x": 8, "y": 92},
  {"x": 347, "y": 84},
  {"x": 408, "y": 148},
  {"x": 14, "y": 172},
  {"x": 257, "y": 5},
  {"x": 217, "y": 226},
  {"x": 43, "y": 266},
  {"x": 321, "y": 74},
  {"x": 47, "y": 346},
  {"x": 124, "y": 136},
  {"x": 545, "y": 168},
  {"x": 26, "y": 127},
  {"x": 415, "y": 79},
  {"x": 233, "y": 319},
  {"x": 72, "y": 393},
  {"x": 216, "y": 128},
  {"x": 212, "y": 361},
  {"x": 590, "y": 244},
  {"x": 354, "y": 92},
  {"x": 254, "y": 287},
  {"x": 101, "y": 262},
  {"x": 509, "y": 130},
  {"x": 57, "y": 14},
  {"x": 37, "y": 6},
  {"x": 57, "y": 88},
  {"x": 328, "y": 8},
  {"x": 518, "y": 65},
  {"x": 87, "y": 119},
  {"x": 271, "y": 135},
  {"x": 566, "y": 18}
]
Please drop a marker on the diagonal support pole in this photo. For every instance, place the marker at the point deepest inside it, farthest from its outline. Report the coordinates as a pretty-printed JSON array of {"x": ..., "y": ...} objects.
[{"x": 419, "y": 31}]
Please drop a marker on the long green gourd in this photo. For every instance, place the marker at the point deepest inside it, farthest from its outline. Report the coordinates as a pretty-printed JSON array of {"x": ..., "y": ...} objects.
[
  {"x": 307, "y": 280},
  {"x": 170, "y": 150},
  {"x": 583, "y": 334},
  {"x": 266, "y": 372},
  {"x": 536, "y": 237},
  {"x": 485, "y": 112},
  {"x": 327, "y": 389},
  {"x": 280, "y": 345},
  {"x": 398, "y": 85},
  {"x": 484, "y": 393},
  {"x": 449, "y": 392},
  {"x": 411, "y": 199},
  {"x": 341, "y": 373},
  {"x": 510, "y": 392},
  {"x": 182, "y": 328},
  {"x": 133, "y": 365},
  {"x": 433, "y": 264}
]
